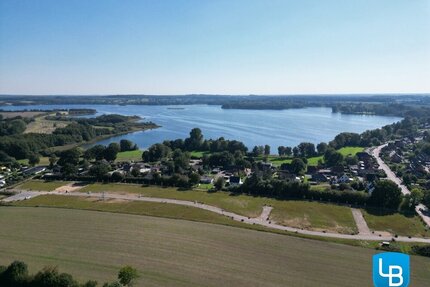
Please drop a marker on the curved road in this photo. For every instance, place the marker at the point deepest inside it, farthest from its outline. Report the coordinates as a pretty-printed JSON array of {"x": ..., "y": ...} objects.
[
  {"x": 421, "y": 209},
  {"x": 257, "y": 221}
]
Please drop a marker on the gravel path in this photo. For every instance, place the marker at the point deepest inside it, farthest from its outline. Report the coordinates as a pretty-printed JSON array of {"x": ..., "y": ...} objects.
[{"x": 363, "y": 229}]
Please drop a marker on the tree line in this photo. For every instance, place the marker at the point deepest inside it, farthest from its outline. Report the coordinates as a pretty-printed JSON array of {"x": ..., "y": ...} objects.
[{"x": 17, "y": 275}]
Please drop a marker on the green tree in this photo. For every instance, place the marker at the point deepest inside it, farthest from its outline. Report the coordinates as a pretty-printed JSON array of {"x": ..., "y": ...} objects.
[
  {"x": 128, "y": 276},
  {"x": 195, "y": 141},
  {"x": 219, "y": 183},
  {"x": 111, "y": 152},
  {"x": 52, "y": 160},
  {"x": 70, "y": 156},
  {"x": 69, "y": 169},
  {"x": 156, "y": 152},
  {"x": 95, "y": 152},
  {"x": 15, "y": 274},
  {"x": 426, "y": 198},
  {"x": 288, "y": 151},
  {"x": 126, "y": 145},
  {"x": 194, "y": 178},
  {"x": 416, "y": 197},
  {"x": 298, "y": 166},
  {"x": 117, "y": 176},
  {"x": 322, "y": 148},
  {"x": 99, "y": 170},
  {"x": 386, "y": 195},
  {"x": 332, "y": 157},
  {"x": 267, "y": 149},
  {"x": 33, "y": 159}
]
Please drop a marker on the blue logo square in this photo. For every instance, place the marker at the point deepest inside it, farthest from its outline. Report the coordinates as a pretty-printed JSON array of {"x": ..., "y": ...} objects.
[{"x": 391, "y": 269}]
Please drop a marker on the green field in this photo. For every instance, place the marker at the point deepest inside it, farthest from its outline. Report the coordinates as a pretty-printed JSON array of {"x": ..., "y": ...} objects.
[
  {"x": 43, "y": 161},
  {"x": 322, "y": 216},
  {"x": 39, "y": 185},
  {"x": 315, "y": 215},
  {"x": 396, "y": 224},
  {"x": 313, "y": 161},
  {"x": 94, "y": 245},
  {"x": 134, "y": 155}
]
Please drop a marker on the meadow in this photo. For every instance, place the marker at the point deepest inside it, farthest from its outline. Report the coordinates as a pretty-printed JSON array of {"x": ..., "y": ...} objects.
[
  {"x": 310, "y": 215},
  {"x": 302, "y": 214},
  {"x": 93, "y": 245},
  {"x": 396, "y": 223}
]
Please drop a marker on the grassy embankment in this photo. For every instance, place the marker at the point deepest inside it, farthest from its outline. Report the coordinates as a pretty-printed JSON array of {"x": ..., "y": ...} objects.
[{"x": 94, "y": 245}]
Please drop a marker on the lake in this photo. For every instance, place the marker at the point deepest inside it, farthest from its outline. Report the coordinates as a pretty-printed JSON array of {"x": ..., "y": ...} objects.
[{"x": 253, "y": 127}]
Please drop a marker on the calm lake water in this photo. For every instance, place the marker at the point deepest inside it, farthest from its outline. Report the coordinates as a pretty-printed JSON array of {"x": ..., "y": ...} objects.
[{"x": 253, "y": 127}]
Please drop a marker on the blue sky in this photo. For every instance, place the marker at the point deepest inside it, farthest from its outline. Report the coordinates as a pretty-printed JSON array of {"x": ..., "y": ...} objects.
[{"x": 222, "y": 47}]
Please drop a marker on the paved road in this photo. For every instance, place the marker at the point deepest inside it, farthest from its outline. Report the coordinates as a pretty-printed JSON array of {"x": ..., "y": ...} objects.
[
  {"x": 240, "y": 218},
  {"x": 21, "y": 196},
  {"x": 421, "y": 209},
  {"x": 360, "y": 221}
]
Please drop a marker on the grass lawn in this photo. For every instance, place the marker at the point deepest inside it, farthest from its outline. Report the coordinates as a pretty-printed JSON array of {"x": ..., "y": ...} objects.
[
  {"x": 205, "y": 186},
  {"x": 313, "y": 161},
  {"x": 43, "y": 161},
  {"x": 315, "y": 215},
  {"x": 198, "y": 154},
  {"x": 94, "y": 245},
  {"x": 40, "y": 185},
  {"x": 134, "y": 155},
  {"x": 396, "y": 224},
  {"x": 323, "y": 218}
]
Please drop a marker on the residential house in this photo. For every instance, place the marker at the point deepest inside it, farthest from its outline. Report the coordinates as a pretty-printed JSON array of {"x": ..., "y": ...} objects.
[
  {"x": 319, "y": 177},
  {"x": 344, "y": 178},
  {"x": 206, "y": 180},
  {"x": 235, "y": 181}
]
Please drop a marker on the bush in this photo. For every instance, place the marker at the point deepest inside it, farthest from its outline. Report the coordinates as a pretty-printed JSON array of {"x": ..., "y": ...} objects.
[{"x": 423, "y": 250}]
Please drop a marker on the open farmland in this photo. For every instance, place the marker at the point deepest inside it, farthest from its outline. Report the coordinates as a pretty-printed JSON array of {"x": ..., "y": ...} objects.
[{"x": 180, "y": 253}]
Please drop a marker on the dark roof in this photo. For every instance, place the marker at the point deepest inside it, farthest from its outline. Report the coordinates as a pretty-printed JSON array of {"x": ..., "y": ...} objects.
[{"x": 234, "y": 179}]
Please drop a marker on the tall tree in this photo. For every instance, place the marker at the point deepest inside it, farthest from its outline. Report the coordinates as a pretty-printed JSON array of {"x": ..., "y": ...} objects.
[
  {"x": 267, "y": 149},
  {"x": 386, "y": 195}
]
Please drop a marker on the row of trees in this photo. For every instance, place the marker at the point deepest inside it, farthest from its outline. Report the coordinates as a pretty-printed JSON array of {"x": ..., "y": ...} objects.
[
  {"x": 17, "y": 275},
  {"x": 386, "y": 194}
]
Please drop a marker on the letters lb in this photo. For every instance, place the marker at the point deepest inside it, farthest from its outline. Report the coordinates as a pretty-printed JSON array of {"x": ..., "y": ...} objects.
[{"x": 391, "y": 269}]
